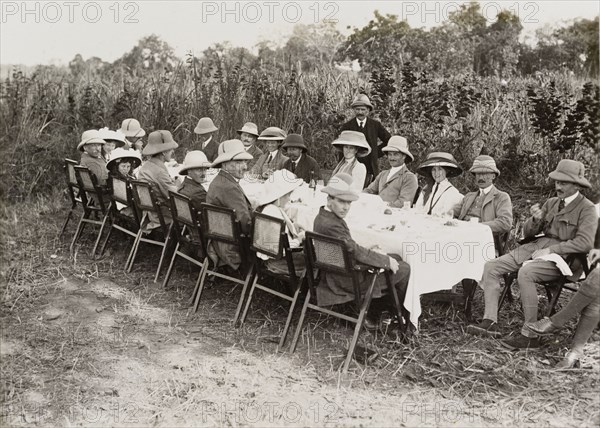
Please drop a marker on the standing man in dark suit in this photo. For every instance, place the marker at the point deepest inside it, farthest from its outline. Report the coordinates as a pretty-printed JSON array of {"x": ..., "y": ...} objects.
[
  {"x": 205, "y": 130},
  {"x": 299, "y": 162},
  {"x": 373, "y": 130}
]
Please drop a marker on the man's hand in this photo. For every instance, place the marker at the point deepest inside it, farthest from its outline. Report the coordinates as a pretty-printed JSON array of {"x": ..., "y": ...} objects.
[
  {"x": 536, "y": 212},
  {"x": 593, "y": 255},
  {"x": 394, "y": 266},
  {"x": 540, "y": 253}
]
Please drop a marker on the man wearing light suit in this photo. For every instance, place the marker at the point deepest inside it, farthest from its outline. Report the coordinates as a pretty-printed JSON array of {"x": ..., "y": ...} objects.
[{"x": 396, "y": 185}]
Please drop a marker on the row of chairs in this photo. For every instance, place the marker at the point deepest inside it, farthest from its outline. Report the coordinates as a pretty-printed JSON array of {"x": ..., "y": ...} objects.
[{"x": 195, "y": 232}]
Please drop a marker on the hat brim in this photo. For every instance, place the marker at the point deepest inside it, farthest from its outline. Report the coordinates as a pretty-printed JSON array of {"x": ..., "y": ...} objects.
[
  {"x": 297, "y": 146},
  {"x": 202, "y": 131},
  {"x": 139, "y": 133},
  {"x": 362, "y": 150},
  {"x": 184, "y": 170},
  {"x": 226, "y": 157},
  {"x": 273, "y": 196},
  {"x": 481, "y": 170},
  {"x": 404, "y": 152},
  {"x": 118, "y": 143},
  {"x": 272, "y": 138},
  {"x": 369, "y": 106},
  {"x": 452, "y": 170},
  {"x": 150, "y": 150},
  {"x": 561, "y": 176},
  {"x": 347, "y": 196},
  {"x": 92, "y": 141},
  {"x": 239, "y": 131},
  {"x": 135, "y": 162}
]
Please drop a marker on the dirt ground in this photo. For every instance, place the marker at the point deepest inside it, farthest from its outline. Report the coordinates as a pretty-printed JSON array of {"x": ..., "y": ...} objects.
[{"x": 84, "y": 344}]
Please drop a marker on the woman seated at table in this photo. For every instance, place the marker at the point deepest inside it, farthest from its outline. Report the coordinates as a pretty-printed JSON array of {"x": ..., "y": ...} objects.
[
  {"x": 352, "y": 144},
  {"x": 121, "y": 164},
  {"x": 336, "y": 289},
  {"x": 442, "y": 196},
  {"x": 275, "y": 196}
]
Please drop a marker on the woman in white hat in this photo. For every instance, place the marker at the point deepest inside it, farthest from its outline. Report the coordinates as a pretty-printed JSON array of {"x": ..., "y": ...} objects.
[
  {"x": 122, "y": 162},
  {"x": 442, "y": 197},
  {"x": 91, "y": 145},
  {"x": 352, "y": 144},
  {"x": 160, "y": 149},
  {"x": 275, "y": 196},
  {"x": 113, "y": 139},
  {"x": 194, "y": 169},
  {"x": 272, "y": 159},
  {"x": 133, "y": 132}
]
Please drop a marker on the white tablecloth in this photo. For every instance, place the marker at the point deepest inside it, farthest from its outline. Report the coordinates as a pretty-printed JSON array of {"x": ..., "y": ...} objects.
[{"x": 440, "y": 252}]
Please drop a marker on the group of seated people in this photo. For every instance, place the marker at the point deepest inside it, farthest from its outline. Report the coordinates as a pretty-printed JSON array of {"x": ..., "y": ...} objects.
[{"x": 563, "y": 225}]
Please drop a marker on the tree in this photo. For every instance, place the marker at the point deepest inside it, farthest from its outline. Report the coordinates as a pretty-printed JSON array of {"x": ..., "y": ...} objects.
[
  {"x": 151, "y": 53},
  {"x": 498, "y": 52},
  {"x": 313, "y": 45}
]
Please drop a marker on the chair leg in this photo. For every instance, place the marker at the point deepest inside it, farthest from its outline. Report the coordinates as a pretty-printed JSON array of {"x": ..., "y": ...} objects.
[
  {"x": 506, "y": 291},
  {"x": 300, "y": 322},
  {"x": 64, "y": 227},
  {"x": 397, "y": 303},
  {"x": 554, "y": 300},
  {"x": 99, "y": 235},
  {"x": 169, "y": 270},
  {"x": 110, "y": 231},
  {"x": 238, "y": 310},
  {"x": 469, "y": 288},
  {"x": 78, "y": 232},
  {"x": 164, "y": 252},
  {"x": 248, "y": 300},
  {"x": 288, "y": 321},
  {"x": 359, "y": 324},
  {"x": 136, "y": 244},
  {"x": 200, "y": 283}
]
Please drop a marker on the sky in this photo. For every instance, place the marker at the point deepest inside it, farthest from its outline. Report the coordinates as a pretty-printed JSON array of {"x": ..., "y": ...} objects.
[{"x": 53, "y": 32}]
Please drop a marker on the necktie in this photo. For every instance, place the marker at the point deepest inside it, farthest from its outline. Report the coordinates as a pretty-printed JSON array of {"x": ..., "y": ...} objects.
[
  {"x": 361, "y": 125},
  {"x": 432, "y": 196},
  {"x": 561, "y": 205},
  {"x": 293, "y": 166},
  {"x": 269, "y": 159}
]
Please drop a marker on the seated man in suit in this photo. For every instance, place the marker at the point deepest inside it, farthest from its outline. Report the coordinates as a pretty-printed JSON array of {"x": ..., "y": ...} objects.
[
  {"x": 299, "y": 162},
  {"x": 194, "y": 169},
  {"x": 489, "y": 205},
  {"x": 225, "y": 191},
  {"x": 272, "y": 158},
  {"x": 249, "y": 134},
  {"x": 373, "y": 130},
  {"x": 205, "y": 130},
  {"x": 330, "y": 221},
  {"x": 568, "y": 223},
  {"x": 396, "y": 185},
  {"x": 91, "y": 156}
]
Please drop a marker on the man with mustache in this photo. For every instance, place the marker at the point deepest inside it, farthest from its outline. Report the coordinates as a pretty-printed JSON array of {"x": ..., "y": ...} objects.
[
  {"x": 564, "y": 224},
  {"x": 373, "y": 130}
]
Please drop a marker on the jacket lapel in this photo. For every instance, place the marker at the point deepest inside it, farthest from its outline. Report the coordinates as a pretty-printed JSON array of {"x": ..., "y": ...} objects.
[
  {"x": 468, "y": 202},
  {"x": 489, "y": 197},
  {"x": 394, "y": 177},
  {"x": 229, "y": 177}
]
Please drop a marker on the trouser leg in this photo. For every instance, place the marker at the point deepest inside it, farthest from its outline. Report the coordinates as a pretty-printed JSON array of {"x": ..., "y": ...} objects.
[{"x": 490, "y": 282}]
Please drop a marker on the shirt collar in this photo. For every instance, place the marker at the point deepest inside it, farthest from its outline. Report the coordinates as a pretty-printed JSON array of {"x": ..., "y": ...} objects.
[
  {"x": 206, "y": 142},
  {"x": 237, "y": 180},
  {"x": 297, "y": 160},
  {"x": 571, "y": 198},
  {"x": 395, "y": 169},
  {"x": 273, "y": 154},
  {"x": 364, "y": 121},
  {"x": 487, "y": 189}
]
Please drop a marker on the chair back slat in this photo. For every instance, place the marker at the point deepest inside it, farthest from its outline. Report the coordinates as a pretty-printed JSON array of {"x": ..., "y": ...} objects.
[
  {"x": 267, "y": 235},
  {"x": 219, "y": 224},
  {"x": 120, "y": 190},
  {"x": 182, "y": 208},
  {"x": 329, "y": 254},
  {"x": 87, "y": 181},
  {"x": 72, "y": 184},
  {"x": 71, "y": 177},
  {"x": 144, "y": 198}
]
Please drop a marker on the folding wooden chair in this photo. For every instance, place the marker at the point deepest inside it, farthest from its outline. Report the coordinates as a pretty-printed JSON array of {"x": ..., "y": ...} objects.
[
  {"x": 270, "y": 238},
  {"x": 94, "y": 208},
  {"x": 220, "y": 225},
  {"x": 76, "y": 195},
  {"x": 327, "y": 254},
  {"x": 146, "y": 202},
  {"x": 187, "y": 231},
  {"x": 121, "y": 199}
]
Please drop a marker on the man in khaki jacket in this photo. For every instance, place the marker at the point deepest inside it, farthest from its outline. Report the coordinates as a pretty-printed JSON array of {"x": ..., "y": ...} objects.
[
  {"x": 396, "y": 185},
  {"x": 568, "y": 224}
]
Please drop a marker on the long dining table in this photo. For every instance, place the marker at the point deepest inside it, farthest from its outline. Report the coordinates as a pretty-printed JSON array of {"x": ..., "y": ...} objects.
[{"x": 441, "y": 251}]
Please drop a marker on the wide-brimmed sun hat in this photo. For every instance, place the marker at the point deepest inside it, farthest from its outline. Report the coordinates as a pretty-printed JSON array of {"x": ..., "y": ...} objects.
[
  {"x": 132, "y": 128},
  {"x": 399, "y": 144},
  {"x": 194, "y": 159},
  {"x": 249, "y": 128},
  {"x": 484, "y": 164},
  {"x": 231, "y": 150},
  {"x": 361, "y": 100},
  {"x": 279, "y": 184},
  {"x": 340, "y": 186},
  {"x": 205, "y": 125},
  {"x": 90, "y": 136},
  {"x": 273, "y": 133},
  {"x": 159, "y": 142},
  {"x": 294, "y": 140},
  {"x": 443, "y": 159},
  {"x": 116, "y": 137},
  {"x": 119, "y": 155},
  {"x": 572, "y": 171},
  {"x": 353, "y": 138}
]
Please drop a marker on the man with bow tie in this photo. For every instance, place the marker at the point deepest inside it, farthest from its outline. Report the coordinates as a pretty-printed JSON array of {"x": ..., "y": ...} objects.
[
  {"x": 373, "y": 130},
  {"x": 564, "y": 224}
]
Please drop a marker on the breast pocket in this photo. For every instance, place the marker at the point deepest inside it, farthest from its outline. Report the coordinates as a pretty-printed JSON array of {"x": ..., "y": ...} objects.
[{"x": 567, "y": 229}]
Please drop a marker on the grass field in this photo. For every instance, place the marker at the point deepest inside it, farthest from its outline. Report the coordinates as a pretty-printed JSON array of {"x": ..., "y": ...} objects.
[{"x": 85, "y": 344}]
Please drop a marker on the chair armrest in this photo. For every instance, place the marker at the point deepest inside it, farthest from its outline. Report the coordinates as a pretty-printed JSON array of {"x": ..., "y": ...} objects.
[
  {"x": 297, "y": 249},
  {"x": 361, "y": 267}
]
